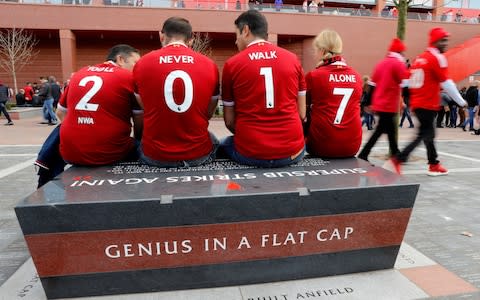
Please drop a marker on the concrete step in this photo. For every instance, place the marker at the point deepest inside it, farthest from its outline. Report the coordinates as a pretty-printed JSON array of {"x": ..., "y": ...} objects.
[{"x": 18, "y": 113}]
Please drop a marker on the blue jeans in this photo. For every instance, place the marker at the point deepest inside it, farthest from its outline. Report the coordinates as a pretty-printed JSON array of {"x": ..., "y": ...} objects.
[
  {"x": 368, "y": 120},
  {"x": 182, "y": 163},
  {"x": 453, "y": 116},
  {"x": 228, "y": 146},
  {"x": 48, "y": 112},
  {"x": 406, "y": 114},
  {"x": 471, "y": 116}
]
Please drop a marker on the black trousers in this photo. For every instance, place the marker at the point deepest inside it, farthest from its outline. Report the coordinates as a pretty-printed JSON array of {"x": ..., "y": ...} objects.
[
  {"x": 3, "y": 109},
  {"x": 386, "y": 124},
  {"x": 426, "y": 133}
]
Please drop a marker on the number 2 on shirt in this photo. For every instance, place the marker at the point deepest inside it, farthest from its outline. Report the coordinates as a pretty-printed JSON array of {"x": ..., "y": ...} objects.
[
  {"x": 347, "y": 94},
  {"x": 267, "y": 74},
  {"x": 97, "y": 85}
]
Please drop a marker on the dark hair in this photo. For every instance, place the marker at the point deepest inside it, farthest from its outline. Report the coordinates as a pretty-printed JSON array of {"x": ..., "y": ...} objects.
[
  {"x": 121, "y": 49},
  {"x": 257, "y": 23},
  {"x": 176, "y": 26}
]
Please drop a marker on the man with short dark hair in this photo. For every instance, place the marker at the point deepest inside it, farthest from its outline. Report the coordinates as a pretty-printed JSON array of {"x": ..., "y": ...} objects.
[
  {"x": 263, "y": 93},
  {"x": 428, "y": 73},
  {"x": 96, "y": 111},
  {"x": 179, "y": 89}
]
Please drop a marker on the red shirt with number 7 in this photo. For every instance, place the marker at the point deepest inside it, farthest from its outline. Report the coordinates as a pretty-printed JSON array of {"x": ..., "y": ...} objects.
[{"x": 335, "y": 129}]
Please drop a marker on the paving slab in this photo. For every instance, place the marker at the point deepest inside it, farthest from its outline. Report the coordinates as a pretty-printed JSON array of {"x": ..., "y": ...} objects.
[{"x": 445, "y": 208}]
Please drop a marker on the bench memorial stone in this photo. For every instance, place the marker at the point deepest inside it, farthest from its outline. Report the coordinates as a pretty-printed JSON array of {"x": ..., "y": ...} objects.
[{"x": 131, "y": 228}]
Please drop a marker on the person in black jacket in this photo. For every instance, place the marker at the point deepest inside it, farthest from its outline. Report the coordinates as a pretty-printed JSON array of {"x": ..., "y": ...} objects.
[
  {"x": 46, "y": 94},
  {"x": 5, "y": 94},
  {"x": 472, "y": 99}
]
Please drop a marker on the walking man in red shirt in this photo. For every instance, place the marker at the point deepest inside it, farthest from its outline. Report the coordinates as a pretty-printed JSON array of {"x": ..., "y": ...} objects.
[
  {"x": 427, "y": 74},
  {"x": 386, "y": 83},
  {"x": 263, "y": 93}
]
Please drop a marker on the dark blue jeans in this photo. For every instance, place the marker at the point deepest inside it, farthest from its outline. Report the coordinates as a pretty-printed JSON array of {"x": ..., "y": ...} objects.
[
  {"x": 49, "y": 160},
  {"x": 228, "y": 146}
]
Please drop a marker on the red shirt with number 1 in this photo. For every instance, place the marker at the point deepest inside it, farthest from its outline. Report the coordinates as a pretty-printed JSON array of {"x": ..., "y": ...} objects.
[{"x": 263, "y": 82}]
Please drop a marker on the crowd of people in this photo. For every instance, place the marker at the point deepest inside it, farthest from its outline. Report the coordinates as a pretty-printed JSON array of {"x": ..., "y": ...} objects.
[
  {"x": 45, "y": 94},
  {"x": 170, "y": 94}
]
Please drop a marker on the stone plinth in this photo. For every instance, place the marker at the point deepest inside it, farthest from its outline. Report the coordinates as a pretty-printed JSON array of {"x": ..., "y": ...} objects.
[{"x": 133, "y": 228}]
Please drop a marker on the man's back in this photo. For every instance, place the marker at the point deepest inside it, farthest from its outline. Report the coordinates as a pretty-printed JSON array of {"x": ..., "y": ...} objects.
[
  {"x": 387, "y": 76},
  {"x": 263, "y": 82},
  {"x": 176, "y": 85},
  {"x": 99, "y": 103},
  {"x": 426, "y": 74}
]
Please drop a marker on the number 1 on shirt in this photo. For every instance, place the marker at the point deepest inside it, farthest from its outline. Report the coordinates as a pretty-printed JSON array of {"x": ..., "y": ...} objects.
[
  {"x": 346, "y": 93},
  {"x": 267, "y": 74}
]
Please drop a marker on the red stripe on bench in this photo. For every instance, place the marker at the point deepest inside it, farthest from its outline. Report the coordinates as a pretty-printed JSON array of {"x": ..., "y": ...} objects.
[{"x": 60, "y": 254}]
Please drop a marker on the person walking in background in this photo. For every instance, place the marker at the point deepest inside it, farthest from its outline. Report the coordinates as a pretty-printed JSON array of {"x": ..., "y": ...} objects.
[
  {"x": 443, "y": 112},
  {"x": 472, "y": 99},
  {"x": 46, "y": 94},
  {"x": 428, "y": 73},
  {"x": 56, "y": 90},
  {"x": 406, "y": 109},
  {"x": 5, "y": 95},
  {"x": 388, "y": 77},
  {"x": 334, "y": 90},
  {"x": 461, "y": 111},
  {"x": 367, "y": 115}
]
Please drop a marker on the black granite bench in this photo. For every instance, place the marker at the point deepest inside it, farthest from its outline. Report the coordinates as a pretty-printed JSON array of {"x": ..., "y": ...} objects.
[{"x": 133, "y": 228}]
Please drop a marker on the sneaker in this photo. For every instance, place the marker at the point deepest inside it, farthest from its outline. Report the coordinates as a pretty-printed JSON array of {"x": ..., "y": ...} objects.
[
  {"x": 394, "y": 165},
  {"x": 436, "y": 170},
  {"x": 9, "y": 123}
]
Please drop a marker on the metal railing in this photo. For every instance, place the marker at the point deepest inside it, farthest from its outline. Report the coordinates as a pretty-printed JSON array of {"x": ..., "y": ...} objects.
[{"x": 267, "y": 7}]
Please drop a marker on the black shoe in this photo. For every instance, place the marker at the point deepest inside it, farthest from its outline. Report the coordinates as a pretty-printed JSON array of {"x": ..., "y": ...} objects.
[
  {"x": 9, "y": 123},
  {"x": 440, "y": 126},
  {"x": 411, "y": 126},
  {"x": 471, "y": 129},
  {"x": 463, "y": 128},
  {"x": 400, "y": 125}
]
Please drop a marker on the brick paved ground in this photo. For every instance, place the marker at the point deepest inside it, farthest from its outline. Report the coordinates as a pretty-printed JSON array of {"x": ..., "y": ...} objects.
[{"x": 446, "y": 206}]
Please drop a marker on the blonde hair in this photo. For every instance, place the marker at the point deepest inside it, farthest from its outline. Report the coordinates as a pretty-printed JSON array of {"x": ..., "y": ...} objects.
[{"x": 329, "y": 41}]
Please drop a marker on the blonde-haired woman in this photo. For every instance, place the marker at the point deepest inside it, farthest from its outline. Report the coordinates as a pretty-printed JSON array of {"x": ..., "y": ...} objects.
[{"x": 333, "y": 94}]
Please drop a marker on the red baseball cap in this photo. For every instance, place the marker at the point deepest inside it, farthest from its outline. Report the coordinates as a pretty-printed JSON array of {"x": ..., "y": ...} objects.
[
  {"x": 437, "y": 34},
  {"x": 397, "y": 46}
]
